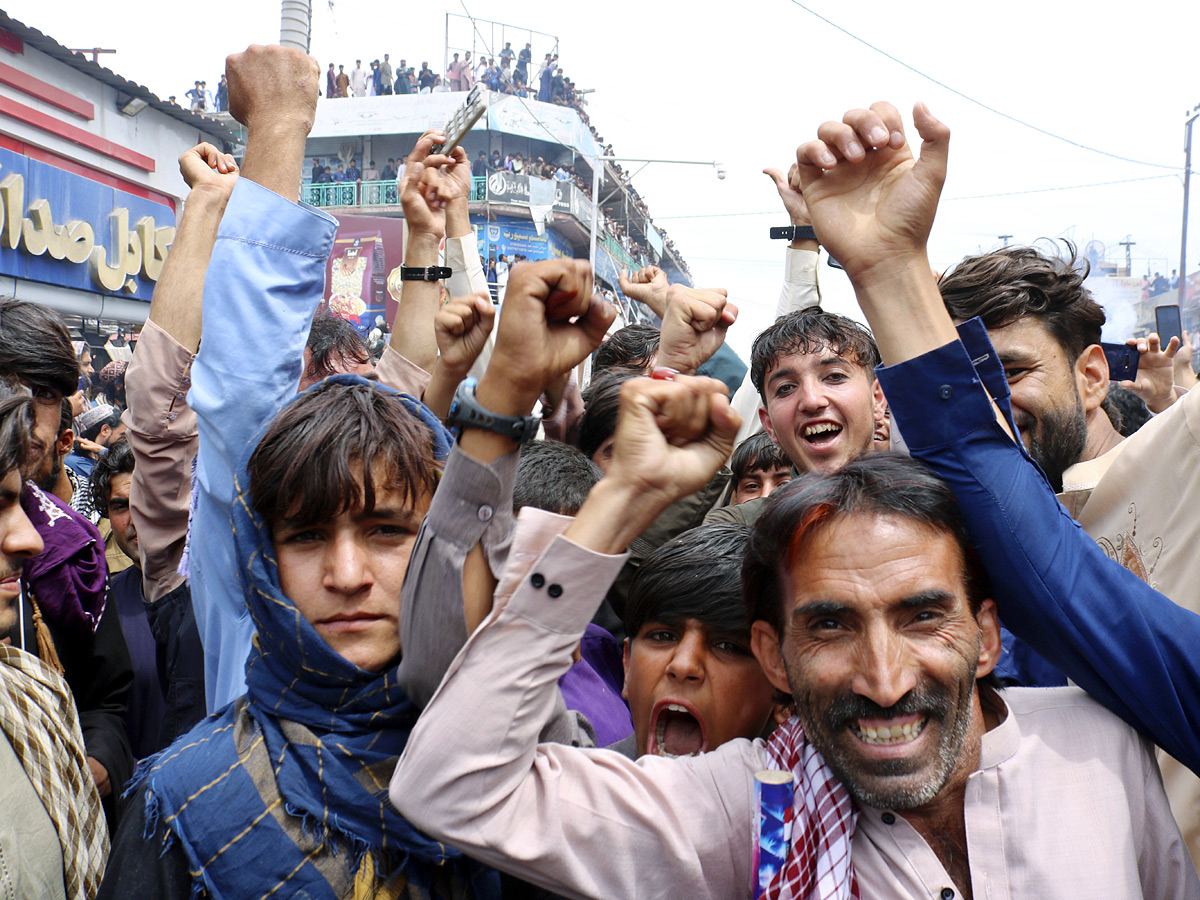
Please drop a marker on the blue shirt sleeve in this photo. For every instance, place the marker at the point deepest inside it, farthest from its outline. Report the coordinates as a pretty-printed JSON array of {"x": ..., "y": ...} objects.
[
  {"x": 264, "y": 282},
  {"x": 1126, "y": 644},
  {"x": 725, "y": 366}
]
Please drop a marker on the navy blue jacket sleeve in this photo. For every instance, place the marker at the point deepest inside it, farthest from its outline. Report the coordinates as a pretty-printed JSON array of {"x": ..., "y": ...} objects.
[
  {"x": 1126, "y": 644},
  {"x": 725, "y": 366}
]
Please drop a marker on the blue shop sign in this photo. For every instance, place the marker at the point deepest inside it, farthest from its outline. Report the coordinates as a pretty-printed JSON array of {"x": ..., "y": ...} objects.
[
  {"x": 510, "y": 235},
  {"x": 64, "y": 229}
]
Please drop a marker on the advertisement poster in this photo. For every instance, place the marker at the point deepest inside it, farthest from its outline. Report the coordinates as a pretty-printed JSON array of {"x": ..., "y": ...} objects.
[{"x": 359, "y": 287}]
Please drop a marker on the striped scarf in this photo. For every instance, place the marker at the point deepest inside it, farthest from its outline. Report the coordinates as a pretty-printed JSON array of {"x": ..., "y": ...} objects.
[
  {"x": 39, "y": 719},
  {"x": 818, "y": 865}
]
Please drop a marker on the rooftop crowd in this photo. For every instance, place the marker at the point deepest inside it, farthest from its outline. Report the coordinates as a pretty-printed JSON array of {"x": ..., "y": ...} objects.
[{"x": 443, "y": 620}]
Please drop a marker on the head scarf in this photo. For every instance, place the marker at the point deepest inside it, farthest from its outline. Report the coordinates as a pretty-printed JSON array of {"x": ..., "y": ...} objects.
[
  {"x": 295, "y": 773},
  {"x": 39, "y": 719},
  {"x": 69, "y": 578}
]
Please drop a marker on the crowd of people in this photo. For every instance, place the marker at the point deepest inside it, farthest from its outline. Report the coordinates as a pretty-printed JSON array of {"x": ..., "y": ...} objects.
[{"x": 441, "y": 620}]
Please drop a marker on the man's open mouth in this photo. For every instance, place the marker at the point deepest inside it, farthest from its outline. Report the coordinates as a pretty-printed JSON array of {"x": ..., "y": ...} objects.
[
  {"x": 821, "y": 432},
  {"x": 676, "y": 731},
  {"x": 872, "y": 731}
]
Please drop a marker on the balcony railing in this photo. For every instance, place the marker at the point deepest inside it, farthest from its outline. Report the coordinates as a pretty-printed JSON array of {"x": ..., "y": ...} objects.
[{"x": 498, "y": 187}]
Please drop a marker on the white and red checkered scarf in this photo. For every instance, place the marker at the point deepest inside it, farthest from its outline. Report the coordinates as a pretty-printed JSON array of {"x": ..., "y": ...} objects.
[{"x": 818, "y": 865}]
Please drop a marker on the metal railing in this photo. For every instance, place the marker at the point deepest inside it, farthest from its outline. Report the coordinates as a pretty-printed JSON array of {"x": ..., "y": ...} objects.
[{"x": 386, "y": 193}]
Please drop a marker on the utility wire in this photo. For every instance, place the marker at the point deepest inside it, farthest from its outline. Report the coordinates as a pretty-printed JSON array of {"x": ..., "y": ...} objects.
[
  {"x": 978, "y": 103},
  {"x": 1066, "y": 187}
]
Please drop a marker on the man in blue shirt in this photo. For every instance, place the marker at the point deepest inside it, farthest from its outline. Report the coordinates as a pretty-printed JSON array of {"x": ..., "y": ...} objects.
[{"x": 873, "y": 205}]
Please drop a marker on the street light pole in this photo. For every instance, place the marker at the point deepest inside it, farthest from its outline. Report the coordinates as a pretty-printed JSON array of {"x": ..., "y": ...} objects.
[{"x": 1187, "y": 178}]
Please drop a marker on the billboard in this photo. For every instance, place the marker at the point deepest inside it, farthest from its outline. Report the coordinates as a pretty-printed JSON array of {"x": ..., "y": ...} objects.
[
  {"x": 362, "y": 275},
  {"x": 64, "y": 229},
  {"x": 509, "y": 235}
]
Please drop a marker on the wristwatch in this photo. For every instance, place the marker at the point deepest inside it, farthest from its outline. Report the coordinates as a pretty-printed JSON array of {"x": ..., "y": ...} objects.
[
  {"x": 425, "y": 273},
  {"x": 465, "y": 412}
]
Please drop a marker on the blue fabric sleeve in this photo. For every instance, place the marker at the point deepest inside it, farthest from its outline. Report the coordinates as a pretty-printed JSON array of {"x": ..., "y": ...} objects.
[
  {"x": 1126, "y": 644},
  {"x": 725, "y": 366},
  {"x": 264, "y": 282}
]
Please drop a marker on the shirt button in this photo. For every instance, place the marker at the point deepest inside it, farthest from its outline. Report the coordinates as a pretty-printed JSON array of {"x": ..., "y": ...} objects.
[
  {"x": 538, "y": 580},
  {"x": 555, "y": 591},
  {"x": 485, "y": 513},
  {"x": 945, "y": 392},
  {"x": 888, "y": 819},
  {"x": 947, "y": 893}
]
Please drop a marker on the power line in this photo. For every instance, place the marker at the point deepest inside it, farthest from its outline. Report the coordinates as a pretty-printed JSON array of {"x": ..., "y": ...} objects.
[
  {"x": 970, "y": 99},
  {"x": 1065, "y": 187}
]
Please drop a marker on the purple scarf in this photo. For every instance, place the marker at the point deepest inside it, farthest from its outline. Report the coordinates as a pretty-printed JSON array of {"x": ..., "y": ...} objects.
[{"x": 68, "y": 578}]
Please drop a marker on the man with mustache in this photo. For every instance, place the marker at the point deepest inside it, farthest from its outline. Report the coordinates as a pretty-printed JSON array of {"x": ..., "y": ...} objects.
[{"x": 870, "y": 610}]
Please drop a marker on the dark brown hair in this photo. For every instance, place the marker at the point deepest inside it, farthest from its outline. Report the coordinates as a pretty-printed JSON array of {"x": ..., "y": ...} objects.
[
  {"x": 1010, "y": 284},
  {"x": 306, "y": 467},
  {"x": 808, "y": 330}
]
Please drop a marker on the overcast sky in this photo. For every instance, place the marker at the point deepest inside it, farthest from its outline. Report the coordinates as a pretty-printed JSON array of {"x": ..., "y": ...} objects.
[{"x": 746, "y": 83}]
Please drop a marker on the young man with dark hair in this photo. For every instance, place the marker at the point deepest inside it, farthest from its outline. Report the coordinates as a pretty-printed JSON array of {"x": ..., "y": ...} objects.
[
  {"x": 53, "y": 837},
  {"x": 65, "y": 584},
  {"x": 167, "y": 695},
  {"x": 1045, "y": 326},
  {"x": 759, "y": 466},
  {"x": 691, "y": 680}
]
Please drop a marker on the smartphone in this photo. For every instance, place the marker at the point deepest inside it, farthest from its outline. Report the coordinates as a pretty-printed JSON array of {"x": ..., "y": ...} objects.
[
  {"x": 1122, "y": 361},
  {"x": 462, "y": 120},
  {"x": 1167, "y": 323}
]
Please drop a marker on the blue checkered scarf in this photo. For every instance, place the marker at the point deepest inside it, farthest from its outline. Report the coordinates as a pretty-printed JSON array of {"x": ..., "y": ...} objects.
[{"x": 284, "y": 792}]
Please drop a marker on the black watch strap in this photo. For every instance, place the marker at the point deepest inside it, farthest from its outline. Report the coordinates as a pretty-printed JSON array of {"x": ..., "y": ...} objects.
[
  {"x": 424, "y": 273},
  {"x": 793, "y": 233},
  {"x": 465, "y": 412}
]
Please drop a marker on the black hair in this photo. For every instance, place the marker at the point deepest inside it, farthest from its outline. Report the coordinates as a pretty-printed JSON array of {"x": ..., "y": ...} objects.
[
  {"x": 330, "y": 341},
  {"x": 1007, "y": 285},
  {"x": 35, "y": 348},
  {"x": 809, "y": 330},
  {"x": 553, "y": 476},
  {"x": 16, "y": 423},
  {"x": 634, "y": 346},
  {"x": 693, "y": 576},
  {"x": 757, "y": 453},
  {"x": 66, "y": 418},
  {"x": 883, "y": 484},
  {"x": 117, "y": 461},
  {"x": 1126, "y": 410},
  {"x": 601, "y": 403}
]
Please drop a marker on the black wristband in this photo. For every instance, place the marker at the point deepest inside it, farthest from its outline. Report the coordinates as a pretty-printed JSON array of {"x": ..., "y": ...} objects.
[
  {"x": 424, "y": 273},
  {"x": 465, "y": 412},
  {"x": 794, "y": 233}
]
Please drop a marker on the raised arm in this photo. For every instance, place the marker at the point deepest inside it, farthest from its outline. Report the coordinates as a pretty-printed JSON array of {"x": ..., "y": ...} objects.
[
  {"x": 161, "y": 425},
  {"x": 1129, "y": 646},
  {"x": 463, "y": 542},
  {"x": 264, "y": 282},
  {"x": 555, "y": 815}
]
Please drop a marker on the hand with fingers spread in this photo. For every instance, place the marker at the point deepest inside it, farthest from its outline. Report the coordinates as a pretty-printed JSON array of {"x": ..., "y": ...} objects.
[
  {"x": 1155, "y": 381},
  {"x": 693, "y": 326},
  {"x": 672, "y": 436},
  {"x": 206, "y": 168},
  {"x": 647, "y": 286},
  {"x": 872, "y": 206},
  {"x": 871, "y": 202},
  {"x": 462, "y": 327}
]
